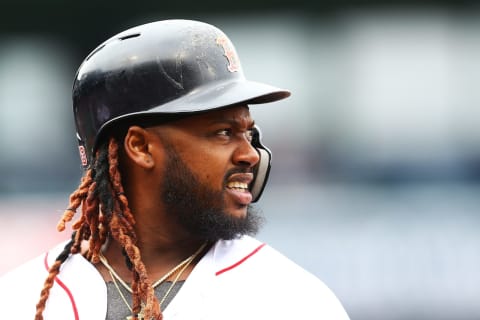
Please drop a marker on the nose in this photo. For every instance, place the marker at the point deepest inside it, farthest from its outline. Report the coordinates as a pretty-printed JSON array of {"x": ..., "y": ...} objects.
[{"x": 245, "y": 154}]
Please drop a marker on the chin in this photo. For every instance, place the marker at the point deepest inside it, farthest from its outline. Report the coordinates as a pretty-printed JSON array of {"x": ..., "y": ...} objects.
[{"x": 239, "y": 213}]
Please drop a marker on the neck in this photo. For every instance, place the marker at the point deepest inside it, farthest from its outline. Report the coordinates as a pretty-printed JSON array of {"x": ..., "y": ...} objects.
[
  {"x": 157, "y": 258},
  {"x": 155, "y": 254},
  {"x": 161, "y": 240}
]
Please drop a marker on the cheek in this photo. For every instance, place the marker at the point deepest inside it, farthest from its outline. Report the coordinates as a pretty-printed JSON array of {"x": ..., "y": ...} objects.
[
  {"x": 210, "y": 171},
  {"x": 209, "y": 163},
  {"x": 211, "y": 167}
]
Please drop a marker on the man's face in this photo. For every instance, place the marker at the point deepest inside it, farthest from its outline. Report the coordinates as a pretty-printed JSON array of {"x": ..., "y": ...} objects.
[{"x": 208, "y": 169}]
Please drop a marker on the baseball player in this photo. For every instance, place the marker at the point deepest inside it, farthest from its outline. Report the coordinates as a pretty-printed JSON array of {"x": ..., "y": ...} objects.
[{"x": 164, "y": 222}]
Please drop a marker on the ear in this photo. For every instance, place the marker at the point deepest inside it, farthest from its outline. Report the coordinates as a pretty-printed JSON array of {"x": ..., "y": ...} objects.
[{"x": 137, "y": 147}]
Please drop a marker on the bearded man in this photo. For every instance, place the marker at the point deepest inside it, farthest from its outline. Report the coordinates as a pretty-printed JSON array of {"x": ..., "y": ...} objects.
[{"x": 173, "y": 161}]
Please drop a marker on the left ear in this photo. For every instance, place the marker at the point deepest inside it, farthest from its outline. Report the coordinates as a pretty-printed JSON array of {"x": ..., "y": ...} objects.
[{"x": 137, "y": 145}]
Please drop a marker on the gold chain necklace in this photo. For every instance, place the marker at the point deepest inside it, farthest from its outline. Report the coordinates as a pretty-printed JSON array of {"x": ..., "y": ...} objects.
[{"x": 182, "y": 266}]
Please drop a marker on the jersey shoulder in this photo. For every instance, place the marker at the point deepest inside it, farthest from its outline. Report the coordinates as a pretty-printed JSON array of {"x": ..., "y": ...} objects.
[
  {"x": 272, "y": 283},
  {"x": 21, "y": 287}
]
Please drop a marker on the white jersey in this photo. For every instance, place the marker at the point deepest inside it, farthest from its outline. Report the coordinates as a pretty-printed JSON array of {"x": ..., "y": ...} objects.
[{"x": 237, "y": 279}]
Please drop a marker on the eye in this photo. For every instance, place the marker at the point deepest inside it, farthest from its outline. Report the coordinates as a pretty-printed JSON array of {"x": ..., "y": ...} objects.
[
  {"x": 229, "y": 132},
  {"x": 249, "y": 135},
  {"x": 226, "y": 132}
]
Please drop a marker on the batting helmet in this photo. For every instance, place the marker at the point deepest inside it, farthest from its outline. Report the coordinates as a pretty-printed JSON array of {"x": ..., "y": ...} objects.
[{"x": 160, "y": 69}]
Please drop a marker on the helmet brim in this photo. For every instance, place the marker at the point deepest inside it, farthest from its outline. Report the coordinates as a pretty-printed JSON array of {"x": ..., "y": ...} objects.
[
  {"x": 210, "y": 97},
  {"x": 222, "y": 95}
]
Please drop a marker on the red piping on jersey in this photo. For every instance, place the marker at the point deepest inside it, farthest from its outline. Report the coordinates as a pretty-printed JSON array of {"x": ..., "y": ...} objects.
[
  {"x": 64, "y": 287},
  {"x": 240, "y": 261}
]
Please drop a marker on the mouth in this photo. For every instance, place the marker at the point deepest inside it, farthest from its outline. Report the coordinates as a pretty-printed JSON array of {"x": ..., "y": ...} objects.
[{"x": 238, "y": 188}]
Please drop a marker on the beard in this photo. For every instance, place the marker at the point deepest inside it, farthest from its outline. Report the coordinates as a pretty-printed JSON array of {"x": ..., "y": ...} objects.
[{"x": 200, "y": 209}]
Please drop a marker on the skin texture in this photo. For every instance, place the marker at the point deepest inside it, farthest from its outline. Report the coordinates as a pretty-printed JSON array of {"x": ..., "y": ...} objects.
[{"x": 215, "y": 148}]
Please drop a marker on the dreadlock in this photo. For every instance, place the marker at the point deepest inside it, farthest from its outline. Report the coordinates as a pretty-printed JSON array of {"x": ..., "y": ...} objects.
[{"x": 105, "y": 213}]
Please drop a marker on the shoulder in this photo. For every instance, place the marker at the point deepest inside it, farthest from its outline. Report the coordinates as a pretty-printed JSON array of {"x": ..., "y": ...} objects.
[
  {"x": 247, "y": 255},
  {"x": 30, "y": 271},
  {"x": 22, "y": 286},
  {"x": 272, "y": 283}
]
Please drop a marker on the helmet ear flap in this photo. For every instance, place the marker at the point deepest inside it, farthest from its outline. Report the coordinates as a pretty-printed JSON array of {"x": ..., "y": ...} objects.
[{"x": 262, "y": 169}]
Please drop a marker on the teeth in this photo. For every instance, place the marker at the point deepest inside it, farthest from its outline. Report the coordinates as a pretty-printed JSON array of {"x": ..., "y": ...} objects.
[{"x": 237, "y": 185}]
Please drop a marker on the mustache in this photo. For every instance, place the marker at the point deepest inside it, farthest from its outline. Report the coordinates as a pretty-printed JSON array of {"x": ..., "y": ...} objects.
[{"x": 234, "y": 171}]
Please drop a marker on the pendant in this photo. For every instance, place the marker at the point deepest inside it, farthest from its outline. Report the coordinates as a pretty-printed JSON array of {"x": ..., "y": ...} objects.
[{"x": 139, "y": 316}]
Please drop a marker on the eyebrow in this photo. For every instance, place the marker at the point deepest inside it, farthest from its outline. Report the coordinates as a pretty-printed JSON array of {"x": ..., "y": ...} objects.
[{"x": 232, "y": 122}]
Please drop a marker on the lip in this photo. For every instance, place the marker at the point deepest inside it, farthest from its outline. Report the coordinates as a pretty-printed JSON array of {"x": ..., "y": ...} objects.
[
  {"x": 242, "y": 197},
  {"x": 245, "y": 177}
]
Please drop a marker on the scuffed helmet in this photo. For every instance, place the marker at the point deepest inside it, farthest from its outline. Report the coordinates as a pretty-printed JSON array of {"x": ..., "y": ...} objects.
[{"x": 161, "y": 69}]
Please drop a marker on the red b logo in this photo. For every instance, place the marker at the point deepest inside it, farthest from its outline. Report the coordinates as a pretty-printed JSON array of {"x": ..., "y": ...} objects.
[{"x": 233, "y": 62}]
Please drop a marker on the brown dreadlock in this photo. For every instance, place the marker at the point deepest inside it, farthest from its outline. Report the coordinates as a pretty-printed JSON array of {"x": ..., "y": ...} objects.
[{"x": 105, "y": 213}]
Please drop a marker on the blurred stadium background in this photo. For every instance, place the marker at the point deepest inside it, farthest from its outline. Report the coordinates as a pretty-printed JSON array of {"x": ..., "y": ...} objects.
[{"x": 376, "y": 178}]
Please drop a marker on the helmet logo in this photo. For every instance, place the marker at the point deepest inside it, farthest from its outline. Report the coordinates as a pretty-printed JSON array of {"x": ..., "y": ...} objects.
[
  {"x": 83, "y": 155},
  {"x": 233, "y": 62}
]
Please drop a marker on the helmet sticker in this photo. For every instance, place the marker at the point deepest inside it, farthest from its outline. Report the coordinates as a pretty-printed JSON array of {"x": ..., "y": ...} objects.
[
  {"x": 83, "y": 155},
  {"x": 233, "y": 61}
]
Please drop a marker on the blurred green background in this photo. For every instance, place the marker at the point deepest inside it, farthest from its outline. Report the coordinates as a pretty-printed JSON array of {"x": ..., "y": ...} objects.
[{"x": 375, "y": 184}]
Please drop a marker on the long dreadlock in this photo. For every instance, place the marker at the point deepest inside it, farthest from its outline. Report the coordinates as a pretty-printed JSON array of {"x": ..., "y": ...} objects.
[{"x": 105, "y": 213}]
